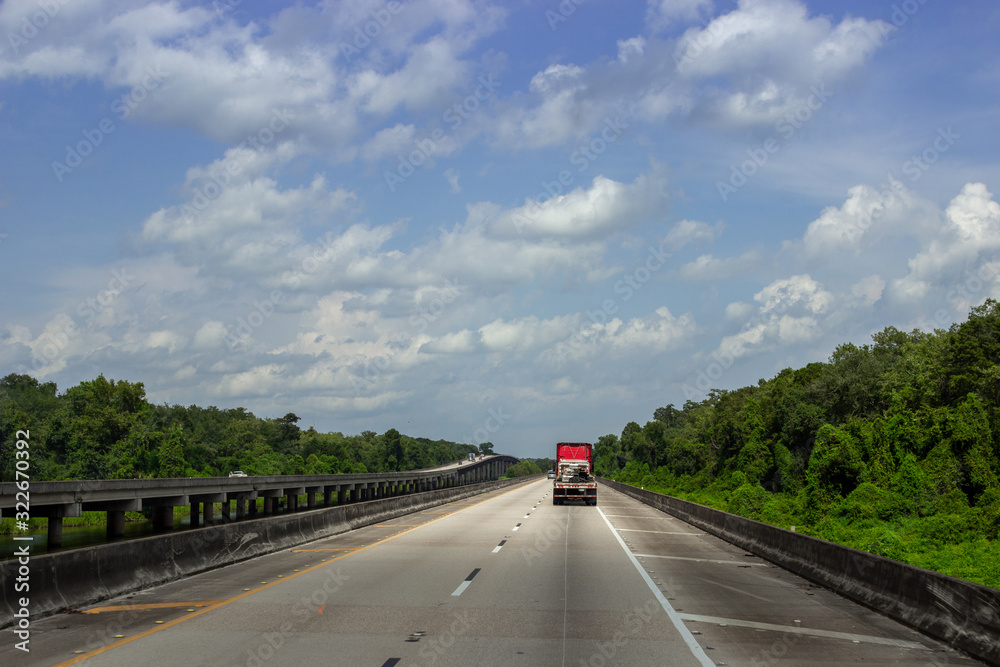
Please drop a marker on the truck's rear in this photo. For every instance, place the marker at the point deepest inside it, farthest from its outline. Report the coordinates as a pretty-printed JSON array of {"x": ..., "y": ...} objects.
[{"x": 574, "y": 473}]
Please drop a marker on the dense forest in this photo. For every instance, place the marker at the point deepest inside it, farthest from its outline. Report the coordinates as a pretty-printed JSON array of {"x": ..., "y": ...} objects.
[
  {"x": 103, "y": 429},
  {"x": 890, "y": 447}
]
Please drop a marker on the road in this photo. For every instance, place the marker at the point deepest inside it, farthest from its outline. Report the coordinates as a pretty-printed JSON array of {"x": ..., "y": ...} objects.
[{"x": 505, "y": 578}]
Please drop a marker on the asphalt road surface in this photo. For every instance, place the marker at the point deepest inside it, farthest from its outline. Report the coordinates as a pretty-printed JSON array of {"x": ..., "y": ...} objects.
[{"x": 505, "y": 578}]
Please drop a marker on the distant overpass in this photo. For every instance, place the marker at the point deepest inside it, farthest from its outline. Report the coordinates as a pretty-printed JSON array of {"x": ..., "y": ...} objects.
[{"x": 56, "y": 500}]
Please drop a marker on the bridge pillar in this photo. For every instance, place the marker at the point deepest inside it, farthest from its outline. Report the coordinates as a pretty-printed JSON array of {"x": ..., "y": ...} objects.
[
  {"x": 224, "y": 509},
  {"x": 341, "y": 495},
  {"x": 293, "y": 502},
  {"x": 310, "y": 500},
  {"x": 163, "y": 517},
  {"x": 268, "y": 505},
  {"x": 208, "y": 513},
  {"x": 195, "y": 511},
  {"x": 328, "y": 495},
  {"x": 253, "y": 508},
  {"x": 241, "y": 508},
  {"x": 55, "y": 532},
  {"x": 116, "y": 524}
]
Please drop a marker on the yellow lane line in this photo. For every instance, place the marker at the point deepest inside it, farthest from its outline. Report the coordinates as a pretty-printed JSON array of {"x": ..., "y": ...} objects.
[
  {"x": 203, "y": 610},
  {"x": 397, "y": 525},
  {"x": 151, "y": 605}
]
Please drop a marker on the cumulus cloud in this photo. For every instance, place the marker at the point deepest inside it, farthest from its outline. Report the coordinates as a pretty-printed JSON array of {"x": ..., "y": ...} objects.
[
  {"x": 606, "y": 207},
  {"x": 968, "y": 238}
]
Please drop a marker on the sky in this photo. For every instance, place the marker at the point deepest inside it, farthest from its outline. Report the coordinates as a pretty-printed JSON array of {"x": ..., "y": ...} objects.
[{"x": 524, "y": 222}]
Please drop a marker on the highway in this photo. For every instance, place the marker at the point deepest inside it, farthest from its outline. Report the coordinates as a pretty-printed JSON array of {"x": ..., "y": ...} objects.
[{"x": 504, "y": 578}]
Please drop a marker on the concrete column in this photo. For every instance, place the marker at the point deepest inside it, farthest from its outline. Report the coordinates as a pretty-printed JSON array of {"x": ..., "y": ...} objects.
[
  {"x": 241, "y": 508},
  {"x": 341, "y": 495},
  {"x": 268, "y": 505},
  {"x": 208, "y": 513},
  {"x": 195, "y": 511},
  {"x": 116, "y": 524},
  {"x": 225, "y": 506},
  {"x": 253, "y": 507},
  {"x": 310, "y": 500},
  {"x": 55, "y": 532},
  {"x": 163, "y": 517},
  {"x": 327, "y": 496}
]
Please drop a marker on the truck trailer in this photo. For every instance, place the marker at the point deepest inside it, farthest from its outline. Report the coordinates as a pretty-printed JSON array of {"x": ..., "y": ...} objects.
[{"x": 574, "y": 473}]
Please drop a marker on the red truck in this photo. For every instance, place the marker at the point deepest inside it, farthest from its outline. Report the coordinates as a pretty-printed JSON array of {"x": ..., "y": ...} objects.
[{"x": 574, "y": 473}]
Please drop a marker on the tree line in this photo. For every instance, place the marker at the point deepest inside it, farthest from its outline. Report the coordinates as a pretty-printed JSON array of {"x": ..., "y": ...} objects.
[
  {"x": 107, "y": 429},
  {"x": 891, "y": 447}
]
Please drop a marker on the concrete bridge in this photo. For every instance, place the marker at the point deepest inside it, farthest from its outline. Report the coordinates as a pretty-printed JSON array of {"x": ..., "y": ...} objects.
[{"x": 56, "y": 500}]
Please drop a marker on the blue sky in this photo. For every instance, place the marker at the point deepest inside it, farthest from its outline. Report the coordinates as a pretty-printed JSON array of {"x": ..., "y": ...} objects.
[{"x": 524, "y": 221}]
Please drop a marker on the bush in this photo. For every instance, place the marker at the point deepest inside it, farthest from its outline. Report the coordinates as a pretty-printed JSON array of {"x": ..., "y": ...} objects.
[
  {"x": 866, "y": 502},
  {"x": 748, "y": 500}
]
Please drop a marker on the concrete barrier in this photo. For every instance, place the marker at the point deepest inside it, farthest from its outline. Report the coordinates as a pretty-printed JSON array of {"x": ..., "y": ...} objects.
[
  {"x": 957, "y": 612},
  {"x": 81, "y": 577}
]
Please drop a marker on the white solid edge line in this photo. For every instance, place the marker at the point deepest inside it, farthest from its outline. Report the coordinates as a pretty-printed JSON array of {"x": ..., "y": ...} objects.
[
  {"x": 461, "y": 587},
  {"x": 704, "y": 560},
  {"x": 829, "y": 634},
  {"x": 693, "y": 645}
]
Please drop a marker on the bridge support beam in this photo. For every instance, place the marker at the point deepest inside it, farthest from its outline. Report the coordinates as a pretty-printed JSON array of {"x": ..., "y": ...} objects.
[
  {"x": 195, "y": 511},
  {"x": 163, "y": 517},
  {"x": 116, "y": 524},
  {"x": 55, "y": 532}
]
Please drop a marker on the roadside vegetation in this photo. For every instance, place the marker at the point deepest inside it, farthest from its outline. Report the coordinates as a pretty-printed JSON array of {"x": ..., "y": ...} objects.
[
  {"x": 523, "y": 469},
  {"x": 891, "y": 448}
]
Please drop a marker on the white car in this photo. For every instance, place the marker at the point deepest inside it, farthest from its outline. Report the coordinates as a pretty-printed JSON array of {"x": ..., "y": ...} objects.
[{"x": 237, "y": 473}]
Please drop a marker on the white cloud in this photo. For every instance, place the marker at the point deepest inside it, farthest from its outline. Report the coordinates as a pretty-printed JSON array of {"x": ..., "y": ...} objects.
[
  {"x": 869, "y": 290},
  {"x": 971, "y": 229},
  {"x": 689, "y": 231},
  {"x": 708, "y": 267},
  {"x": 662, "y": 14},
  {"x": 606, "y": 207},
  {"x": 796, "y": 291}
]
